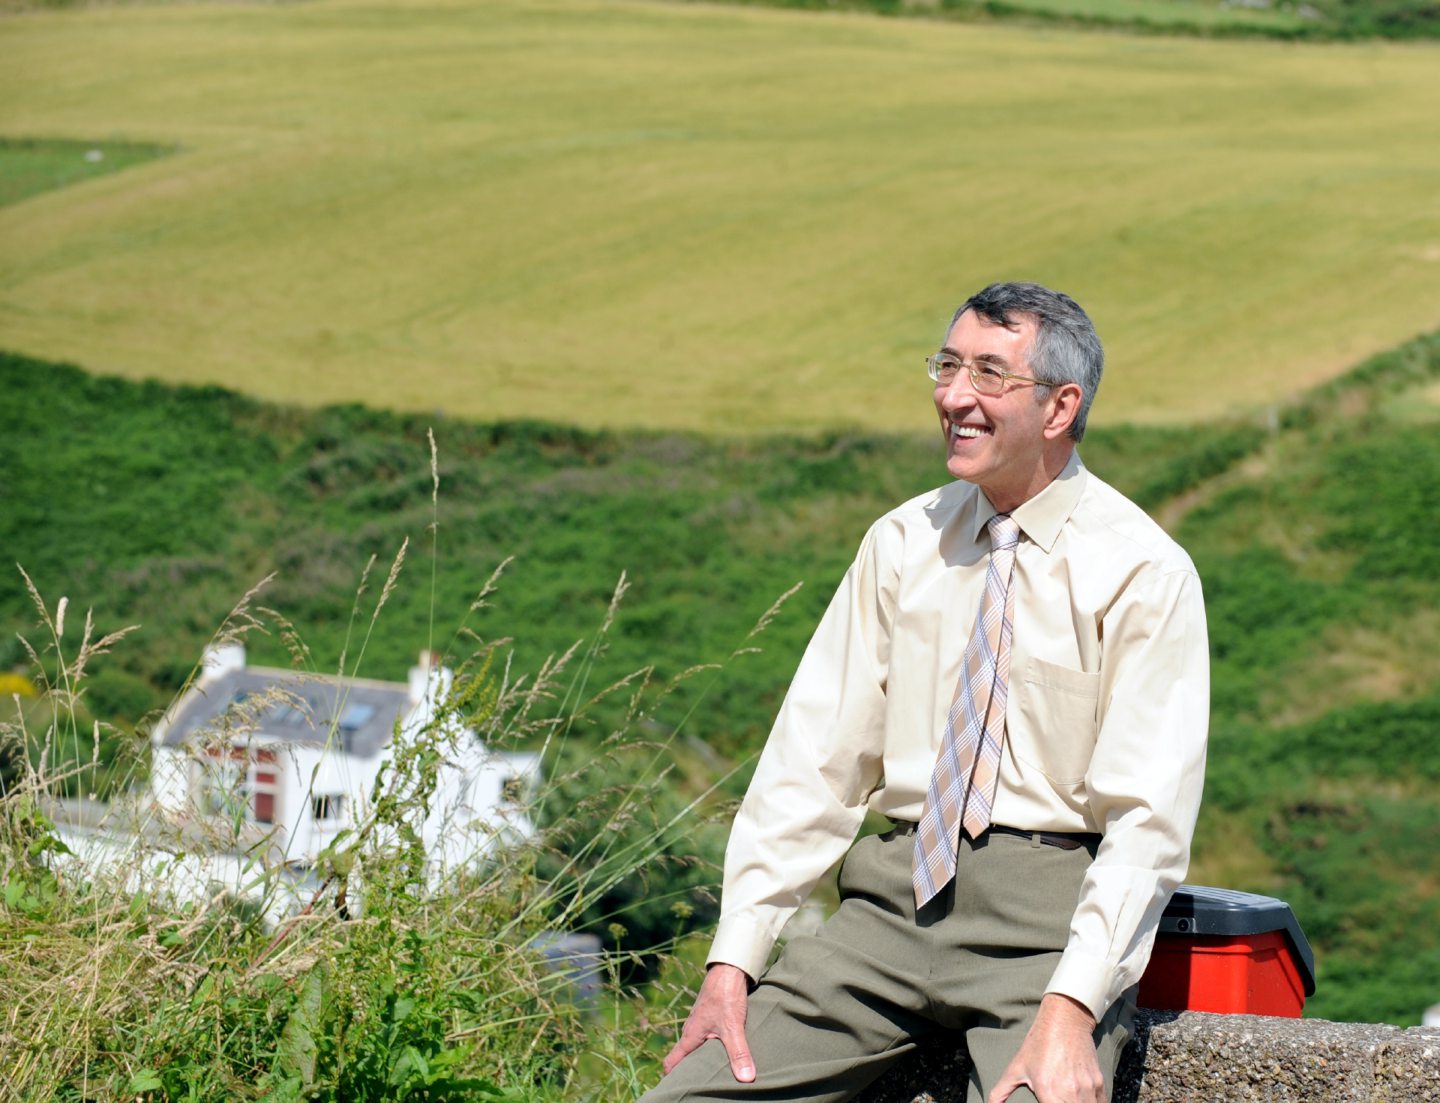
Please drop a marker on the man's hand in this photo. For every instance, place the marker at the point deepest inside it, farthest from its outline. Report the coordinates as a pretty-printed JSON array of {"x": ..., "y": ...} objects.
[
  {"x": 719, "y": 1012},
  {"x": 1057, "y": 1059}
]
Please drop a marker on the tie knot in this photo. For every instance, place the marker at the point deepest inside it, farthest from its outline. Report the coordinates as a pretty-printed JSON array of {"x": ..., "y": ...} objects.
[{"x": 1004, "y": 531}]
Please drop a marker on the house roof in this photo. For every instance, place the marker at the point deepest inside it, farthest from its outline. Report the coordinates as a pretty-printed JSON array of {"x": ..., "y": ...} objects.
[{"x": 357, "y": 714}]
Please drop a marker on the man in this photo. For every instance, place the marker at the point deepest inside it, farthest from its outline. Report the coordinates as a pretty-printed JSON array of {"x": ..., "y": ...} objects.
[{"x": 1015, "y": 672}]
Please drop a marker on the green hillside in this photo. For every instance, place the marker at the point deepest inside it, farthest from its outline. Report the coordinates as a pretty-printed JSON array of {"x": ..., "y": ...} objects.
[
  {"x": 1283, "y": 19},
  {"x": 611, "y": 213},
  {"x": 1316, "y": 539}
]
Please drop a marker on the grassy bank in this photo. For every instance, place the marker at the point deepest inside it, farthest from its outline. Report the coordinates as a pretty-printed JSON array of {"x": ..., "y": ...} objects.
[
  {"x": 1324, "y": 20},
  {"x": 1315, "y": 537},
  {"x": 699, "y": 217}
]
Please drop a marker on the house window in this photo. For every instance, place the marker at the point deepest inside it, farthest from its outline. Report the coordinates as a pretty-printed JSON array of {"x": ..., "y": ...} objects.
[
  {"x": 512, "y": 790},
  {"x": 327, "y": 807},
  {"x": 232, "y": 781},
  {"x": 220, "y": 783},
  {"x": 264, "y": 788}
]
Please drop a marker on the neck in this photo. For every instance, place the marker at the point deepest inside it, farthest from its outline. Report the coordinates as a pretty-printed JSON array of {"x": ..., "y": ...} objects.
[{"x": 1052, "y": 461}]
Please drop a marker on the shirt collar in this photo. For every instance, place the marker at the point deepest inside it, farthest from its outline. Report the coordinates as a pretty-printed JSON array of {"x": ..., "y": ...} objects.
[{"x": 1043, "y": 516}]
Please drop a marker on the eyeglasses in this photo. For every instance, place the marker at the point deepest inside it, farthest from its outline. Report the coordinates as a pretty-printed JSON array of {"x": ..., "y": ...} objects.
[{"x": 985, "y": 378}]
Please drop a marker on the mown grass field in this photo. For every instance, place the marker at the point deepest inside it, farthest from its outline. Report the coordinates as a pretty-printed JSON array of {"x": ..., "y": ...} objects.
[{"x": 630, "y": 214}]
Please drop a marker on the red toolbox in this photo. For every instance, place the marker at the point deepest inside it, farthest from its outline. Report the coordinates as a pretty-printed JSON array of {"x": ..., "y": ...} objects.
[{"x": 1229, "y": 952}]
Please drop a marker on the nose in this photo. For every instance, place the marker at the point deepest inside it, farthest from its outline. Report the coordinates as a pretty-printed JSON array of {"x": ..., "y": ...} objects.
[{"x": 958, "y": 394}]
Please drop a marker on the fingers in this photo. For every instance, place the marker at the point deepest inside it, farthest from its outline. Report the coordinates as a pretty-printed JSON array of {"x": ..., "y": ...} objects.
[
  {"x": 719, "y": 1012},
  {"x": 676, "y": 1056},
  {"x": 742, "y": 1065},
  {"x": 1059, "y": 1088},
  {"x": 678, "y": 1053},
  {"x": 1053, "y": 1073},
  {"x": 1003, "y": 1088}
]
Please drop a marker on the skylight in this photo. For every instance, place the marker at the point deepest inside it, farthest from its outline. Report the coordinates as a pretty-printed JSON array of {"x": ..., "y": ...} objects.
[{"x": 355, "y": 717}]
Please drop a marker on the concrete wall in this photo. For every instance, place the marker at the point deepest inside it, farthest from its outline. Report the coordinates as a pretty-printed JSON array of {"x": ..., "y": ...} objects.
[{"x": 1198, "y": 1058}]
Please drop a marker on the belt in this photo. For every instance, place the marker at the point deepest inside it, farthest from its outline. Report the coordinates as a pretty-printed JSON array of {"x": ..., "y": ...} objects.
[{"x": 1065, "y": 840}]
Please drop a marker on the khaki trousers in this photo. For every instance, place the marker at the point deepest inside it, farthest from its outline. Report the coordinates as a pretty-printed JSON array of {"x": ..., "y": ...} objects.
[{"x": 840, "y": 1007}]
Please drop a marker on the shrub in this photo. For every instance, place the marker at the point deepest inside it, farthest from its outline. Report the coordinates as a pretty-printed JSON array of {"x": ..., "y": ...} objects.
[{"x": 386, "y": 985}]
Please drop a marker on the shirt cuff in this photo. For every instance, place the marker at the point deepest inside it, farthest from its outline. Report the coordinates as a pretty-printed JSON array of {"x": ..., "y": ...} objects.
[
  {"x": 1086, "y": 979},
  {"x": 743, "y": 943}
]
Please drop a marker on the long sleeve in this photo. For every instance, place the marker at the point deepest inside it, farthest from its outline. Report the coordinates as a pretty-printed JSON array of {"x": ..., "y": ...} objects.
[
  {"x": 1144, "y": 780},
  {"x": 821, "y": 763}
]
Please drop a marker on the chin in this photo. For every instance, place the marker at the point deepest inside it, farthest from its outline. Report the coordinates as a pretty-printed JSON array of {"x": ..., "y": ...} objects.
[{"x": 959, "y": 469}]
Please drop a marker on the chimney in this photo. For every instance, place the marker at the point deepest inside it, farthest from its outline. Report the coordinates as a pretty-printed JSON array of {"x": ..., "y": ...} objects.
[
  {"x": 421, "y": 675},
  {"x": 220, "y": 659}
]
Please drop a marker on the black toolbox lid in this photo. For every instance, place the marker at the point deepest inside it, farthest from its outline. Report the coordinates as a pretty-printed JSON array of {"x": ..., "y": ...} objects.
[{"x": 1202, "y": 910}]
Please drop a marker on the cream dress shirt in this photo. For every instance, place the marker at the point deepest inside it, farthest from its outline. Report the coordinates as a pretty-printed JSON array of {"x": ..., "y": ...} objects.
[{"x": 1106, "y": 719}]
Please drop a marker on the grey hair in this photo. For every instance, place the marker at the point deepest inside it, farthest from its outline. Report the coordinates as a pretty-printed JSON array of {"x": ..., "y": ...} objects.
[{"x": 1067, "y": 349}]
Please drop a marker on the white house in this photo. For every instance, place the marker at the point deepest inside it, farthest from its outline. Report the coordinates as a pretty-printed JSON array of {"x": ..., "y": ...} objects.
[{"x": 274, "y": 756}]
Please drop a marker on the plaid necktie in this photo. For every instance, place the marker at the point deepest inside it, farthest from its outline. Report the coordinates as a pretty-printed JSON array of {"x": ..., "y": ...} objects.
[{"x": 962, "y": 788}]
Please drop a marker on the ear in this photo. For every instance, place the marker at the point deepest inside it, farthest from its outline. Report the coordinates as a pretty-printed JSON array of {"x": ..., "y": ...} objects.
[{"x": 1061, "y": 409}]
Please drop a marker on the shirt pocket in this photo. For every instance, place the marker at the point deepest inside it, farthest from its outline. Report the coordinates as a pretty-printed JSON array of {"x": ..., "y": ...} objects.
[{"x": 1056, "y": 707}]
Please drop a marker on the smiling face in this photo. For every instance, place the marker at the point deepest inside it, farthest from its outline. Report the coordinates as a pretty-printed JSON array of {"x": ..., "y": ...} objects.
[{"x": 1010, "y": 445}]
